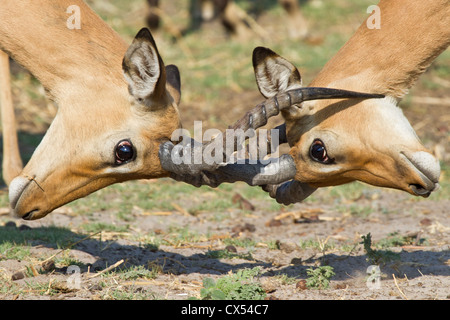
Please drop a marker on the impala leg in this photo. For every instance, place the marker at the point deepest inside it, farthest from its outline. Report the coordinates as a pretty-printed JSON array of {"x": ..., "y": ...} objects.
[{"x": 12, "y": 163}]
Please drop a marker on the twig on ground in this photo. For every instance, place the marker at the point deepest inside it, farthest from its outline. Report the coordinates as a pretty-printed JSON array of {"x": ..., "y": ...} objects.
[
  {"x": 401, "y": 292},
  {"x": 115, "y": 265}
]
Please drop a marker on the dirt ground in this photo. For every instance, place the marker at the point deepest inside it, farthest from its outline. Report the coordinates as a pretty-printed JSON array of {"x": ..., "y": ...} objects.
[
  {"x": 420, "y": 271},
  {"x": 283, "y": 242}
]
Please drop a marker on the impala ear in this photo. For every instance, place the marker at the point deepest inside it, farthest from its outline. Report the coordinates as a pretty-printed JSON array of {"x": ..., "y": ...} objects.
[
  {"x": 144, "y": 71},
  {"x": 273, "y": 73},
  {"x": 173, "y": 82}
]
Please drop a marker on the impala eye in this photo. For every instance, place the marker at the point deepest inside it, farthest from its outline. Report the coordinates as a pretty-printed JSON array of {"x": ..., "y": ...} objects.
[
  {"x": 318, "y": 152},
  {"x": 124, "y": 152}
]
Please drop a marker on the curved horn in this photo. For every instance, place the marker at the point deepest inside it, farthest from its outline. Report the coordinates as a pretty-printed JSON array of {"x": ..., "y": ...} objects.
[
  {"x": 255, "y": 118},
  {"x": 289, "y": 192},
  {"x": 276, "y": 171},
  {"x": 258, "y": 116},
  {"x": 316, "y": 93}
]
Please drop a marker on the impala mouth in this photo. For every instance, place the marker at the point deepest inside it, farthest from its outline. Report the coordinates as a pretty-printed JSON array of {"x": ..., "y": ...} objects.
[
  {"x": 427, "y": 168},
  {"x": 424, "y": 189},
  {"x": 29, "y": 215},
  {"x": 17, "y": 189},
  {"x": 419, "y": 190}
]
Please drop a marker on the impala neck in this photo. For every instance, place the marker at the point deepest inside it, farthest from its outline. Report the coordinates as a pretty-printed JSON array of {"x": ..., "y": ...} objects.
[
  {"x": 36, "y": 35},
  {"x": 390, "y": 59}
]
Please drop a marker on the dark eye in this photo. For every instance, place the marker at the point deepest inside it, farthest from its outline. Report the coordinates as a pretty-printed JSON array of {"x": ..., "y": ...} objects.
[
  {"x": 124, "y": 152},
  {"x": 318, "y": 152}
]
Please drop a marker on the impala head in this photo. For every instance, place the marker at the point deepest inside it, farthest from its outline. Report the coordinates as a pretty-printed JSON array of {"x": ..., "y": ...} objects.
[
  {"x": 103, "y": 135},
  {"x": 339, "y": 141}
]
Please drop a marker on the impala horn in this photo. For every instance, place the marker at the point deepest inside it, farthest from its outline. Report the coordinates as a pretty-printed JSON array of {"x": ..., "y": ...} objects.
[{"x": 255, "y": 118}]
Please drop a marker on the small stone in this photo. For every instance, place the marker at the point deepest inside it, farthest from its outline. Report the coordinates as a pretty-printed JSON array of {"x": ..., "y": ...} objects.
[
  {"x": 231, "y": 248},
  {"x": 17, "y": 276},
  {"x": 287, "y": 247},
  {"x": 301, "y": 285},
  {"x": 273, "y": 223},
  {"x": 48, "y": 266},
  {"x": 426, "y": 222}
]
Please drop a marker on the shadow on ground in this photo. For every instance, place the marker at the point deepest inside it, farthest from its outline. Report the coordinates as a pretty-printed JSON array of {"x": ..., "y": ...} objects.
[{"x": 105, "y": 253}]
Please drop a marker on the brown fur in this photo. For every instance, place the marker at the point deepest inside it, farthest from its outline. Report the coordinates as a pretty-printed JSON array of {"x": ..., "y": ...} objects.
[
  {"x": 390, "y": 59},
  {"x": 82, "y": 71},
  {"x": 370, "y": 140}
]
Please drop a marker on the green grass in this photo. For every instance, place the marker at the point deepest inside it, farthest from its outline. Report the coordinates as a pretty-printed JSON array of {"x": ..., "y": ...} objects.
[
  {"x": 442, "y": 66},
  {"x": 375, "y": 256},
  {"x": 397, "y": 240},
  {"x": 225, "y": 254},
  {"x": 12, "y": 250},
  {"x": 444, "y": 192},
  {"x": 56, "y": 236},
  {"x": 178, "y": 236},
  {"x": 94, "y": 227},
  {"x": 137, "y": 272},
  {"x": 356, "y": 210},
  {"x": 122, "y": 198},
  {"x": 128, "y": 294},
  {"x": 244, "y": 243},
  {"x": 242, "y": 285},
  {"x": 317, "y": 245},
  {"x": 151, "y": 196},
  {"x": 319, "y": 278}
]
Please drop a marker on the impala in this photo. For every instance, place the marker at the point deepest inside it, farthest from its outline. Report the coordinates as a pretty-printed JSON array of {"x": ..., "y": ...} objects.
[
  {"x": 336, "y": 142},
  {"x": 117, "y": 105},
  {"x": 108, "y": 127},
  {"x": 371, "y": 141}
]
